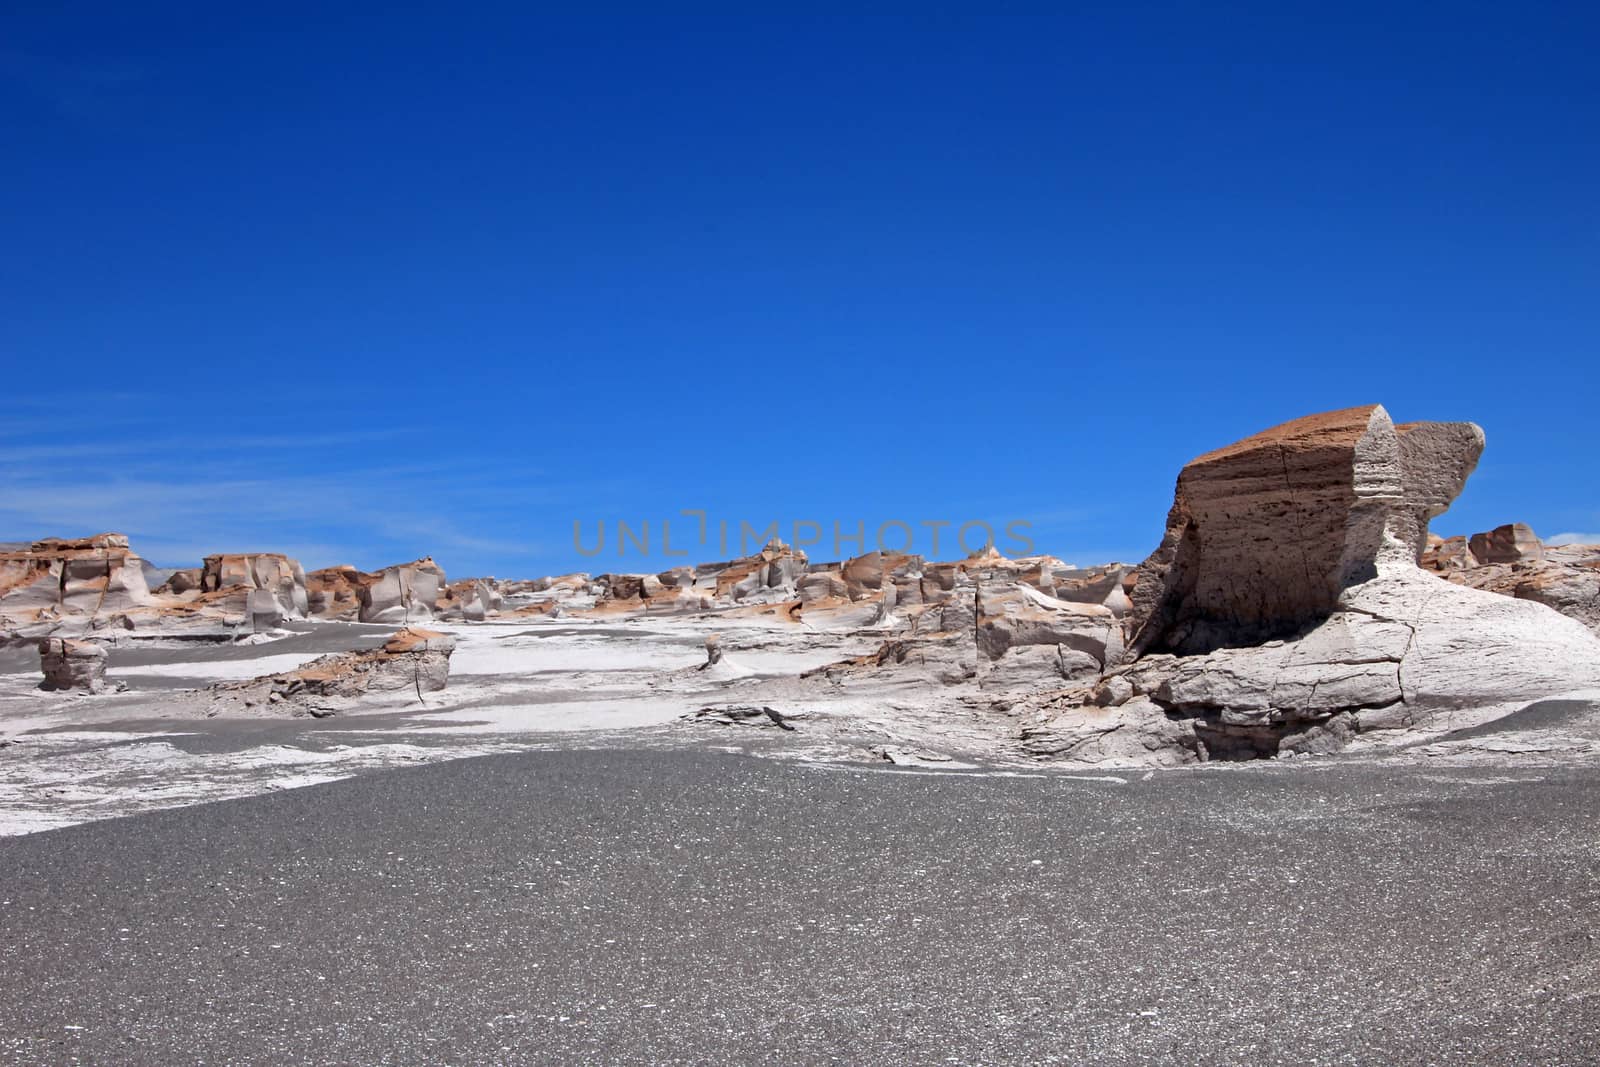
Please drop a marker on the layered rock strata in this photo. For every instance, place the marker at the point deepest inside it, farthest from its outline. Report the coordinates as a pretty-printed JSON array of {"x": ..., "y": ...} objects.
[
  {"x": 1264, "y": 535},
  {"x": 1285, "y": 610}
]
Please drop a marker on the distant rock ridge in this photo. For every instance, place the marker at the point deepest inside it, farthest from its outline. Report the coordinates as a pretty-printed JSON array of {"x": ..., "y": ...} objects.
[
  {"x": 74, "y": 586},
  {"x": 1297, "y": 603},
  {"x": 1512, "y": 561}
]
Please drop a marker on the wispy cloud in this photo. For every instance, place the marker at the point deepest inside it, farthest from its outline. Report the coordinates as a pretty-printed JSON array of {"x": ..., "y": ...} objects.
[
  {"x": 1571, "y": 538},
  {"x": 20, "y": 454},
  {"x": 365, "y": 514}
]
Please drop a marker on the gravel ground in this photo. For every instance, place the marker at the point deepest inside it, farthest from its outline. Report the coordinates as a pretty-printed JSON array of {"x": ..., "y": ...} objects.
[{"x": 692, "y": 907}]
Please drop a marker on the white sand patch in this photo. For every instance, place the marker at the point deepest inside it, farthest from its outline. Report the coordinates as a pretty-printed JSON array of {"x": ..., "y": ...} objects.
[
  {"x": 57, "y": 780},
  {"x": 560, "y": 717},
  {"x": 300, "y": 781},
  {"x": 528, "y": 655},
  {"x": 227, "y": 670}
]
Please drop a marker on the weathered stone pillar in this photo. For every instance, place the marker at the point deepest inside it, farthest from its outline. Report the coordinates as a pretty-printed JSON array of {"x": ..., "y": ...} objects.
[{"x": 72, "y": 664}]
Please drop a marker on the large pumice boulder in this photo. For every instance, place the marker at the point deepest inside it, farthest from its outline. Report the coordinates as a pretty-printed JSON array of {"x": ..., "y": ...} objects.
[
  {"x": 264, "y": 588},
  {"x": 1265, "y": 534},
  {"x": 407, "y": 592},
  {"x": 87, "y": 578},
  {"x": 1515, "y": 542},
  {"x": 1285, "y": 610},
  {"x": 69, "y": 665}
]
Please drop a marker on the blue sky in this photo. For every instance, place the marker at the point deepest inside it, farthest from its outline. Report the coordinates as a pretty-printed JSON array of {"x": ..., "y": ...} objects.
[{"x": 365, "y": 286}]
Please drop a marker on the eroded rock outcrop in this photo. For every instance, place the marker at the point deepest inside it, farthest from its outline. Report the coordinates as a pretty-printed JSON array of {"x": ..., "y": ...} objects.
[
  {"x": 72, "y": 665},
  {"x": 409, "y": 664},
  {"x": 1515, "y": 542},
  {"x": 92, "y": 579},
  {"x": 767, "y": 577},
  {"x": 552, "y": 596},
  {"x": 406, "y": 592},
  {"x": 264, "y": 588},
  {"x": 1445, "y": 554},
  {"x": 472, "y": 600},
  {"x": 1285, "y": 610},
  {"x": 181, "y": 582},
  {"x": 1265, "y": 534},
  {"x": 1512, "y": 561},
  {"x": 70, "y": 587},
  {"x": 984, "y": 619},
  {"x": 334, "y": 593}
]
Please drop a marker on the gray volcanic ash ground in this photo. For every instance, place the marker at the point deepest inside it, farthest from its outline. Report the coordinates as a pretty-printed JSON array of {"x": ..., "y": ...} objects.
[{"x": 647, "y": 906}]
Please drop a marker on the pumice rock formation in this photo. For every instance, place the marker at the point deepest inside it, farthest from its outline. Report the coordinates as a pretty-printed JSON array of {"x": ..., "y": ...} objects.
[
  {"x": 264, "y": 587},
  {"x": 66, "y": 587},
  {"x": 406, "y": 592},
  {"x": 984, "y": 619},
  {"x": 69, "y": 664},
  {"x": 83, "y": 579},
  {"x": 1515, "y": 542},
  {"x": 1296, "y": 603},
  {"x": 472, "y": 600},
  {"x": 767, "y": 577},
  {"x": 1265, "y": 534},
  {"x": 410, "y": 663},
  {"x": 1285, "y": 609},
  {"x": 334, "y": 593}
]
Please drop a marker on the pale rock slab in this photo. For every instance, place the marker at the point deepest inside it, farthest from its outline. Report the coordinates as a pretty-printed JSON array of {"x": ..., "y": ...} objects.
[{"x": 1134, "y": 733}]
